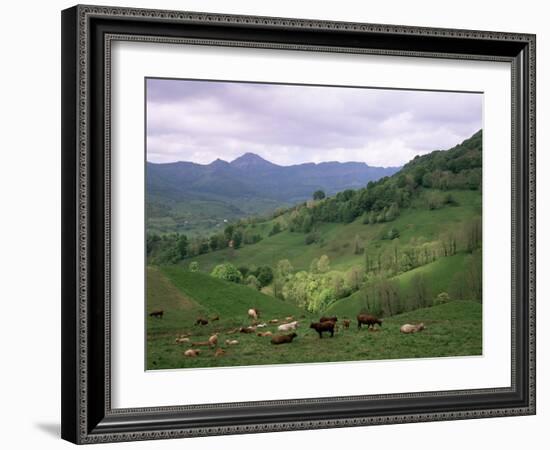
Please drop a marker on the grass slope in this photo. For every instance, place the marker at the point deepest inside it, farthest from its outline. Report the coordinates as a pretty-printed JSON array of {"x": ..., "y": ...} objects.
[
  {"x": 452, "y": 329},
  {"x": 419, "y": 224},
  {"x": 438, "y": 276},
  {"x": 184, "y": 296}
]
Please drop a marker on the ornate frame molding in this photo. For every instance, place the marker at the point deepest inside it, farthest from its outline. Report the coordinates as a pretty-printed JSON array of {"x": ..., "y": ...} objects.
[{"x": 80, "y": 423}]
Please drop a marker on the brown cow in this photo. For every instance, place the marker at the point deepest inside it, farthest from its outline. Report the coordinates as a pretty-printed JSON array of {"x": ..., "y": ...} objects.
[
  {"x": 201, "y": 321},
  {"x": 368, "y": 320},
  {"x": 157, "y": 313},
  {"x": 346, "y": 323},
  {"x": 321, "y": 327},
  {"x": 283, "y": 338}
]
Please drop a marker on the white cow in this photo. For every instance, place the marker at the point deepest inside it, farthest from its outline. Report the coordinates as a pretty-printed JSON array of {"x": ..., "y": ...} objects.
[
  {"x": 288, "y": 326},
  {"x": 253, "y": 313},
  {"x": 408, "y": 328}
]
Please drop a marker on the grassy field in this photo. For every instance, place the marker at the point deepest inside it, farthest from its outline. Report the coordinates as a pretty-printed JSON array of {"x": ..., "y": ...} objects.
[
  {"x": 337, "y": 239},
  {"x": 438, "y": 276},
  {"x": 452, "y": 329}
]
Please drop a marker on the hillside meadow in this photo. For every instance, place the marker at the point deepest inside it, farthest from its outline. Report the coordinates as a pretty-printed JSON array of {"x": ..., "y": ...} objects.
[
  {"x": 452, "y": 329},
  {"x": 405, "y": 248}
]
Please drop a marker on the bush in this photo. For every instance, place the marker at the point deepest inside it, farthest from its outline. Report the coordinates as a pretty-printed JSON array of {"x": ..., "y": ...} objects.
[
  {"x": 276, "y": 229},
  {"x": 392, "y": 233},
  {"x": 253, "y": 282},
  {"x": 194, "y": 266},
  {"x": 227, "y": 272},
  {"x": 264, "y": 274},
  {"x": 311, "y": 238},
  {"x": 442, "y": 298}
]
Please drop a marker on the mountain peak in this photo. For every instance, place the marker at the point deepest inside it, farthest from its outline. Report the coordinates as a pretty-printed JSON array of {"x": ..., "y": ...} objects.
[
  {"x": 218, "y": 163},
  {"x": 250, "y": 160}
]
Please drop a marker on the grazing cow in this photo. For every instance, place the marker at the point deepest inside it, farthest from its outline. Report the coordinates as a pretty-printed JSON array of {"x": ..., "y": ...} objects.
[
  {"x": 288, "y": 326},
  {"x": 201, "y": 321},
  {"x": 213, "y": 319},
  {"x": 213, "y": 340},
  {"x": 368, "y": 320},
  {"x": 346, "y": 323},
  {"x": 328, "y": 319},
  {"x": 231, "y": 342},
  {"x": 408, "y": 328},
  {"x": 265, "y": 333},
  {"x": 247, "y": 329},
  {"x": 158, "y": 313},
  {"x": 191, "y": 353},
  {"x": 254, "y": 313},
  {"x": 273, "y": 321},
  {"x": 219, "y": 352},
  {"x": 283, "y": 338},
  {"x": 182, "y": 340},
  {"x": 321, "y": 327}
]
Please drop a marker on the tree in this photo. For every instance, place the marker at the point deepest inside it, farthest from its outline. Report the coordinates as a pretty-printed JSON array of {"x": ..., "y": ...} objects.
[
  {"x": 357, "y": 247},
  {"x": 314, "y": 266},
  {"x": 319, "y": 195},
  {"x": 216, "y": 242},
  {"x": 419, "y": 288},
  {"x": 264, "y": 274},
  {"x": 354, "y": 278},
  {"x": 392, "y": 213},
  {"x": 337, "y": 286},
  {"x": 237, "y": 238},
  {"x": 194, "y": 266},
  {"x": 253, "y": 282},
  {"x": 323, "y": 265},
  {"x": 284, "y": 268},
  {"x": 276, "y": 229},
  {"x": 228, "y": 232},
  {"x": 227, "y": 272},
  {"x": 183, "y": 243},
  {"x": 244, "y": 271}
]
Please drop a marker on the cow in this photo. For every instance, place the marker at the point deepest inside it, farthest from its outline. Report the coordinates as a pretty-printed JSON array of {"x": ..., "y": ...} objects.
[
  {"x": 368, "y": 320},
  {"x": 321, "y": 327}
]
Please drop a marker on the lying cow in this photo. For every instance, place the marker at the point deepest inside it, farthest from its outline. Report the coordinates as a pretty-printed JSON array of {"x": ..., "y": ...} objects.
[
  {"x": 283, "y": 338},
  {"x": 408, "y": 328},
  {"x": 291, "y": 326}
]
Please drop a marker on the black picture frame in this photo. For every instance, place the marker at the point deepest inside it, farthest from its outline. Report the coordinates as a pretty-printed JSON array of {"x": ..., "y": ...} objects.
[{"x": 87, "y": 416}]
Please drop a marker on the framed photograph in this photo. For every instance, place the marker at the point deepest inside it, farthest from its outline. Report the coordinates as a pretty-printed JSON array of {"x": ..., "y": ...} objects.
[{"x": 281, "y": 224}]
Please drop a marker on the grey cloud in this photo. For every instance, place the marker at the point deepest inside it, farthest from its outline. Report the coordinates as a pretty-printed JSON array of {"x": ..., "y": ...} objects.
[{"x": 288, "y": 124}]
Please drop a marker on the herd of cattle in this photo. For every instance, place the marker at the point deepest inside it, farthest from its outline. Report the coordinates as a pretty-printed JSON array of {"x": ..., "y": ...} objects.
[{"x": 288, "y": 325}]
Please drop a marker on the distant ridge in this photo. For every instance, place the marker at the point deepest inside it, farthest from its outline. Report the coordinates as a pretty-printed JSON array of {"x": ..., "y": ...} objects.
[{"x": 251, "y": 176}]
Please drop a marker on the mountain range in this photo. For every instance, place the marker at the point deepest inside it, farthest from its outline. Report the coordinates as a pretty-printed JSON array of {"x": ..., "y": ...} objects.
[{"x": 247, "y": 185}]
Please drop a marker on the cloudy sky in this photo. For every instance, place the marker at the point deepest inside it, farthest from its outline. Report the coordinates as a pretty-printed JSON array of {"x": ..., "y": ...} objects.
[{"x": 201, "y": 121}]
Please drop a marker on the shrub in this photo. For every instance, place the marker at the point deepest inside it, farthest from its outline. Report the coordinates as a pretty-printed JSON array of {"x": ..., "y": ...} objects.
[
  {"x": 194, "y": 266},
  {"x": 227, "y": 272},
  {"x": 264, "y": 274},
  {"x": 392, "y": 233},
  {"x": 311, "y": 238},
  {"x": 253, "y": 282},
  {"x": 442, "y": 298}
]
